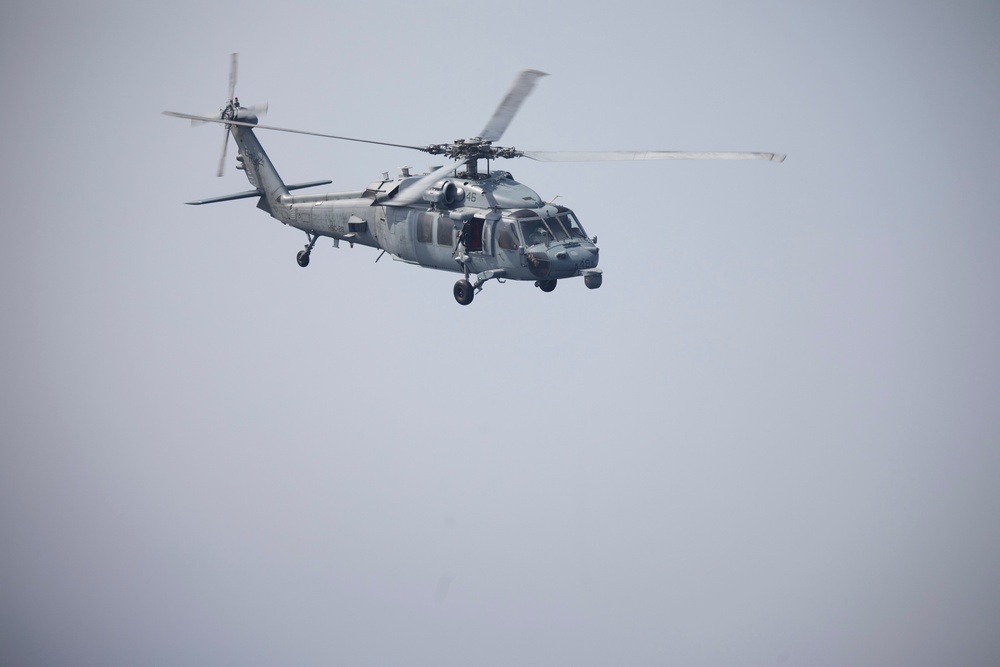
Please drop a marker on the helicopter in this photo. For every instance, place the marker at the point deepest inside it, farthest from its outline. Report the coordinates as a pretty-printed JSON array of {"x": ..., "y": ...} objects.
[{"x": 482, "y": 224}]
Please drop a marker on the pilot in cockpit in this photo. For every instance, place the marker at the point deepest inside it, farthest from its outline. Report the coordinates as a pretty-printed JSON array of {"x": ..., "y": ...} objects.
[{"x": 535, "y": 233}]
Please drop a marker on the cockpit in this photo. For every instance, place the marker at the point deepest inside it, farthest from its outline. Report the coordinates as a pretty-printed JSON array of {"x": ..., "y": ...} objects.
[
  {"x": 548, "y": 225},
  {"x": 550, "y": 243}
]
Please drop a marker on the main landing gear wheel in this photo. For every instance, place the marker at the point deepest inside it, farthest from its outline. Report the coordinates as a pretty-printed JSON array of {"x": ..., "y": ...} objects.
[
  {"x": 303, "y": 257},
  {"x": 546, "y": 285},
  {"x": 464, "y": 292}
]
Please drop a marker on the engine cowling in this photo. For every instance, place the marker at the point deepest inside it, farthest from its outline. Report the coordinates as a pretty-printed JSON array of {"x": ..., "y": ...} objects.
[{"x": 445, "y": 193}]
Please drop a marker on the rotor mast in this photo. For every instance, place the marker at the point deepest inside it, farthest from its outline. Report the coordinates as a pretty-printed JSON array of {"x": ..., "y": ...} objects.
[{"x": 472, "y": 150}]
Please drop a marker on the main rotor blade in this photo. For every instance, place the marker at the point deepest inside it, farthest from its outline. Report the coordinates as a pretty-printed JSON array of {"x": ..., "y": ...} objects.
[
  {"x": 605, "y": 156},
  {"x": 232, "y": 76},
  {"x": 414, "y": 191},
  {"x": 522, "y": 87},
  {"x": 208, "y": 119}
]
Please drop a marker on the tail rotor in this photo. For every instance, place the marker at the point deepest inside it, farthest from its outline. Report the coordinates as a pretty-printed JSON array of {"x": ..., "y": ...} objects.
[
  {"x": 231, "y": 104},
  {"x": 230, "y": 111}
]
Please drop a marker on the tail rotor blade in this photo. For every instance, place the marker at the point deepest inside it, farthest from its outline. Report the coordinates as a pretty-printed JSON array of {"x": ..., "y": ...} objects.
[
  {"x": 225, "y": 147},
  {"x": 198, "y": 122},
  {"x": 232, "y": 76}
]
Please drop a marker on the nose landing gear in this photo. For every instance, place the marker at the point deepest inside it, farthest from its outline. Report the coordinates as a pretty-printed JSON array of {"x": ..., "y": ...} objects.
[{"x": 546, "y": 285}]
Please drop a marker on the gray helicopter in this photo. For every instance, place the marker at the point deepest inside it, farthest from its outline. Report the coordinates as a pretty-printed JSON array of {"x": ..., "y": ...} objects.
[{"x": 482, "y": 224}]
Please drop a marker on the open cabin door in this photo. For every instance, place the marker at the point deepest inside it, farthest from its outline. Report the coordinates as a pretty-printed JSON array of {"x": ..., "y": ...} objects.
[
  {"x": 481, "y": 233},
  {"x": 472, "y": 234}
]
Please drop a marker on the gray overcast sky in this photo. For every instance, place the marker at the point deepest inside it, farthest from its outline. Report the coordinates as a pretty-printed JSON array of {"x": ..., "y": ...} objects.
[{"x": 771, "y": 438}]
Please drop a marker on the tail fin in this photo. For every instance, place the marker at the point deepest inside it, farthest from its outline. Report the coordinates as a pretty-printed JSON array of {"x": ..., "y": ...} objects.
[{"x": 254, "y": 161}]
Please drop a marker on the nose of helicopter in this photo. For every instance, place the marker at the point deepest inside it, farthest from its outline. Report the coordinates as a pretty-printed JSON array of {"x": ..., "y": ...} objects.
[
  {"x": 563, "y": 261},
  {"x": 576, "y": 257}
]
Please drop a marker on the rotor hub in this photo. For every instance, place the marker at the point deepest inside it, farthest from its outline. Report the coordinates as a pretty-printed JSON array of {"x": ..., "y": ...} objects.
[{"x": 476, "y": 148}]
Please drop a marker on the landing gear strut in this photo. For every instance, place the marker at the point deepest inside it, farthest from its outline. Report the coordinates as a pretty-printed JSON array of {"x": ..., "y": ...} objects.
[
  {"x": 465, "y": 290},
  {"x": 303, "y": 257}
]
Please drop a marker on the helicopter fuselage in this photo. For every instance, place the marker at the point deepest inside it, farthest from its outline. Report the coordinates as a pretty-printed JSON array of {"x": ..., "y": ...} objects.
[
  {"x": 484, "y": 225},
  {"x": 478, "y": 224}
]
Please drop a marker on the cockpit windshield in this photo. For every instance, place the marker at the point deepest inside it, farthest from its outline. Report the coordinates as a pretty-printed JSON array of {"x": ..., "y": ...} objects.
[
  {"x": 568, "y": 222},
  {"x": 561, "y": 226}
]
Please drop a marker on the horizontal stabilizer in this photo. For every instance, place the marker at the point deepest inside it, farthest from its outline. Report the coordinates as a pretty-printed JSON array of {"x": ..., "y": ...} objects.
[{"x": 254, "y": 193}]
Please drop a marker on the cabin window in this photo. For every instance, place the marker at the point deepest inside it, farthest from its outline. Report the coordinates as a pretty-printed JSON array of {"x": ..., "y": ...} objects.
[
  {"x": 425, "y": 227},
  {"x": 507, "y": 236},
  {"x": 446, "y": 232}
]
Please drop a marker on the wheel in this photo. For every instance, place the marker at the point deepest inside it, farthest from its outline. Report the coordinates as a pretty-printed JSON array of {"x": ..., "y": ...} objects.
[
  {"x": 464, "y": 292},
  {"x": 302, "y": 258},
  {"x": 593, "y": 281},
  {"x": 546, "y": 285}
]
